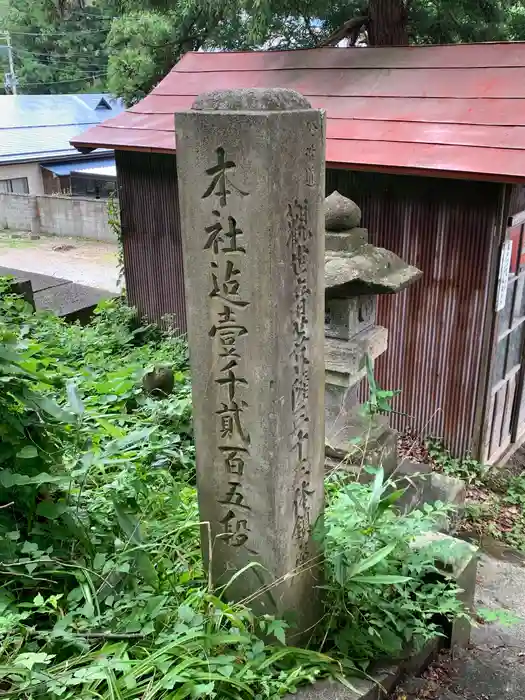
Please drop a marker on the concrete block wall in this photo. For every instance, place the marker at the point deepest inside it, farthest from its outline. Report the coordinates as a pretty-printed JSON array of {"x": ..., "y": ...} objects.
[
  {"x": 17, "y": 211},
  {"x": 59, "y": 216},
  {"x": 75, "y": 217}
]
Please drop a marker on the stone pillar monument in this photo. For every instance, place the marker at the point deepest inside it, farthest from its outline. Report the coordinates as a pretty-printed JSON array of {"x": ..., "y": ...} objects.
[
  {"x": 355, "y": 273},
  {"x": 251, "y": 181}
]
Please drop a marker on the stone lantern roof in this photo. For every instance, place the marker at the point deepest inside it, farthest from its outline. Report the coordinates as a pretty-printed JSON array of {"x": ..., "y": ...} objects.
[{"x": 354, "y": 267}]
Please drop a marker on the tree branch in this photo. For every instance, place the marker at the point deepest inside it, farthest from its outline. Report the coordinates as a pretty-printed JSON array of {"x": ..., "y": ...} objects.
[
  {"x": 308, "y": 24},
  {"x": 350, "y": 28}
]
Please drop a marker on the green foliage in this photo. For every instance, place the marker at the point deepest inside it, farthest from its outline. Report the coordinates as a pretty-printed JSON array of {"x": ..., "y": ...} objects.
[
  {"x": 495, "y": 507},
  {"x": 385, "y": 594},
  {"x": 68, "y": 46},
  {"x": 469, "y": 470},
  {"x": 151, "y": 35},
  {"x": 102, "y": 587},
  {"x": 379, "y": 400},
  {"x": 115, "y": 226},
  {"x": 501, "y": 513},
  {"x": 465, "y": 21},
  {"x": 501, "y": 616},
  {"x": 103, "y": 593},
  {"x": 59, "y": 47}
]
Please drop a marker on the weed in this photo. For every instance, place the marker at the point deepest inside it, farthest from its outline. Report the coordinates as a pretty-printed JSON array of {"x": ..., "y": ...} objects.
[
  {"x": 103, "y": 592},
  {"x": 379, "y": 400},
  {"x": 384, "y": 594},
  {"x": 115, "y": 226},
  {"x": 495, "y": 504},
  {"x": 469, "y": 470}
]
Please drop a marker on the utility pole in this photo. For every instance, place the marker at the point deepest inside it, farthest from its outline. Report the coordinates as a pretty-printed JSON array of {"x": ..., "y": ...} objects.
[
  {"x": 11, "y": 64},
  {"x": 10, "y": 78}
]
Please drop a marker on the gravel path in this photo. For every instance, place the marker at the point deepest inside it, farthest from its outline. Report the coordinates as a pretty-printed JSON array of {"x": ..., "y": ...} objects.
[{"x": 85, "y": 262}]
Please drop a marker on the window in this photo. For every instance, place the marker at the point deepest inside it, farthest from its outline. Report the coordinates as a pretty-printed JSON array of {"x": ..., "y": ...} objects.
[
  {"x": 92, "y": 187},
  {"x": 17, "y": 185}
]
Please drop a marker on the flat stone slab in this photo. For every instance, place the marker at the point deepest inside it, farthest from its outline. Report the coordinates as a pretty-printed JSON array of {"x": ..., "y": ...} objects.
[
  {"x": 62, "y": 297},
  {"x": 486, "y": 676},
  {"x": 381, "y": 684},
  {"x": 70, "y": 299},
  {"x": 38, "y": 281}
]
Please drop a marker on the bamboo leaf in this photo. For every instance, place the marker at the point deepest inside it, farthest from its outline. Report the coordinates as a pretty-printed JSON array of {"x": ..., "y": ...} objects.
[{"x": 371, "y": 561}]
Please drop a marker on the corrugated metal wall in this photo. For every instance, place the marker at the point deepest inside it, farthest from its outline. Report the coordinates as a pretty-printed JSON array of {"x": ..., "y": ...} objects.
[
  {"x": 445, "y": 228},
  {"x": 517, "y": 200},
  {"x": 151, "y": 233}
]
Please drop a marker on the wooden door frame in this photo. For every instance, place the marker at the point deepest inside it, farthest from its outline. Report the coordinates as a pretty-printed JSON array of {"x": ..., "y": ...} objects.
[
  {"x": 518, "y": 220},
  {"x": 489, "y": 342}
]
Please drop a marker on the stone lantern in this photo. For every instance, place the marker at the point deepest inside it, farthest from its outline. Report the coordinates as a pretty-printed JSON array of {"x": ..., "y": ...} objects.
[{"x": 355, "y": 273}]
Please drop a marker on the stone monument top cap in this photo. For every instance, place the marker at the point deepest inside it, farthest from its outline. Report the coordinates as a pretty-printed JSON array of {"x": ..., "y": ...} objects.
[
  {"x": 341, "y": 214},
  {"x": 367, "y": 270},
  {"x": 251, "y": 100}
]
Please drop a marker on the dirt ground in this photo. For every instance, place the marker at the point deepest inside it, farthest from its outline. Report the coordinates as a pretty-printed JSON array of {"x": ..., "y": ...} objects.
[{"x": 91, "y": 263}]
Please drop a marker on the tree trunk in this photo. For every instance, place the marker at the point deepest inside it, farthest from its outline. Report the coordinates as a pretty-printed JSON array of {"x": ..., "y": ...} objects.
[{"x": 387, "y": 25}]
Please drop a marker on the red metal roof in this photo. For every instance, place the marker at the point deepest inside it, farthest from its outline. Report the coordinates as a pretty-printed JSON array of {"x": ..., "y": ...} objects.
[{"x": 454, "y": 111}]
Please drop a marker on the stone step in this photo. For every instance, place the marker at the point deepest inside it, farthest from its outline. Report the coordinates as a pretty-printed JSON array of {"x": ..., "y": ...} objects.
[
  {"x": 475, "y": 674},
  {"x": 482, "y": 674}
]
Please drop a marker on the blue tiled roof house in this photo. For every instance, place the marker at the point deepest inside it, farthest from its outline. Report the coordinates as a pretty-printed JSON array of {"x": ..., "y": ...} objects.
[{"x": 35, "y": 132}]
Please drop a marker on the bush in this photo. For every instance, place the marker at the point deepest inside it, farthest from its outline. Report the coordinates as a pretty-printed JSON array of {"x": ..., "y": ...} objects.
[
  {"x": 103, "y": 592},
  {"x": 385, "y": 596}
]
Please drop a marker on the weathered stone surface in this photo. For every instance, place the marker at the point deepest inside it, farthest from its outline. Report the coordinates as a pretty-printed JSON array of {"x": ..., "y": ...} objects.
[
  {"x": 346, "y": 318},
  {"x": 486, "y": 675},
  {"x": 341, "y": 214},
  {"x": 38, "y": 281},
  {"x": 24, "y": 289},
  {"x": 422, "y": 485},
  {"x": 66, "y": 299},
  {"x": 74, "y": 302},
  {"x": 346, "y": 240},
  {"x": 354, "y": 439},
  {"x": 460, "y": 560},
  {"x": 362, "y": 689},
  {"x": 252, "y": 99},
  {"x": 370, "y": 270},
  {"x": 159, "y": 382},
  {"x": 345, "y": 361},
  {"x": 379, "y": 686},
  {"x": 251, "y": 195}
]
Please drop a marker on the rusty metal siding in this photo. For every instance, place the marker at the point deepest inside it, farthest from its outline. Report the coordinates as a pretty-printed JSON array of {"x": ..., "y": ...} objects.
[
  {"x": 435, "y": 327},
  {"x": 149, "y": 204},
  {"x": 517, "y": 200}
]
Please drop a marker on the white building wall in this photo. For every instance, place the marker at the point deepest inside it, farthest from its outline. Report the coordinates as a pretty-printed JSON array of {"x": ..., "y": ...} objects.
[{"x": 30, "y": 170}]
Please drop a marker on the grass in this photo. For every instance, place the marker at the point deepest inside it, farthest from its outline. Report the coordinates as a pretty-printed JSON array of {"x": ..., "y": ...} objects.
[
  {"x": 103, "y": 592},
  {"x": 6, "y": 240}
]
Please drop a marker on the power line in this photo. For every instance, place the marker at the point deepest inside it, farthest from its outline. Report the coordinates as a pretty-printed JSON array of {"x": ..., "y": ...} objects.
[
  {"x": 83, "y": 15},
  {"x": 63, "y": 61},
  {"x": 78, "y": 71},
  {"x": 48, "y": 54},
  {"x": 72, "y": 80},
  {"x": 52, "y": 34}
]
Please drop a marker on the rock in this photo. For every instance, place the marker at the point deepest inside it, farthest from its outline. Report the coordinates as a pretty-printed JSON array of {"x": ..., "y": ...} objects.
[
  {"x": 341, "y": 214},
  {"x": 251, "y": 99},
  {"x": 62, "y": 248},
  {"x": 159, "y": 382}
]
